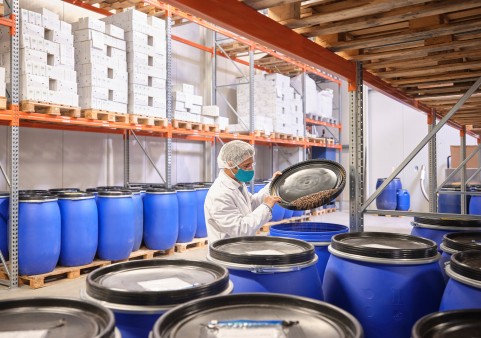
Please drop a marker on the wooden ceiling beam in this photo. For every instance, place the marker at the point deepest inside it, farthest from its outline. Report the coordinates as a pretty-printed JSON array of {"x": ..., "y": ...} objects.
[
  {"x": 381, "y": 19},
  {"x": 329, "y": 13},
  {"x": 441, "y": 90},
  {"x": 407, "y": 36},
  {"x": 445, "y": 98},
  {"x": 409, "y": 81},
  {"x": 440, "y": 69}
]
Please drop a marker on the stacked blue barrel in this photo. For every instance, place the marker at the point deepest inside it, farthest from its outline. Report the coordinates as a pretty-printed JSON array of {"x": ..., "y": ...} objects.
[{"x": 393, "y": 197}]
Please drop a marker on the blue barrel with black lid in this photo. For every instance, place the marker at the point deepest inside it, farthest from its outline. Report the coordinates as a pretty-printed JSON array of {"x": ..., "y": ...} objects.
[
  {"x": 39, "y": 233},
  {"x": 386, "y": 280},
  {"x": 161, "y": 218},
  {"x": 187, "y": 198},
  {"x": 80, "y": 228},
  {"x": 269, "y": 264},
  {"x": 387, "y": 199},
  {"x": 116, "y": 224},
  {"x": 4, "y": 212},
  {"x": 201, "y": 190},
  {"x": 463, "y": 290}
]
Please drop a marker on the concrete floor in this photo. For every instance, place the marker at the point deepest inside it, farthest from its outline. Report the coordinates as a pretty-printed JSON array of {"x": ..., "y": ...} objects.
[{"x": 71, "y": 288}]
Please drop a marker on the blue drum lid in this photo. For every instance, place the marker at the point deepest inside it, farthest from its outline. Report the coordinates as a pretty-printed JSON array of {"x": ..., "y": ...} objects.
[
  {"x": 257, "y": 315},
  {"x": 448, "y": 222},
  {"x": 308, "y": 231},
  {"x": 157, "y": 282},
  {"x": 462, "y": 241},
  {"x": 59, "y": 318},
  {"x": 384, "y": 245},
  {"x": 254, "y": 250},
  {"x": 115, "y": 193},
  {"x": 467, "y": 264},
  {"x": 449, "y": 324}
]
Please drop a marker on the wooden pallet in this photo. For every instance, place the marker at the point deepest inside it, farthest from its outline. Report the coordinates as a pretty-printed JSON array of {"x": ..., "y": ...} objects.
[
  {"x": 148, "y": 120},
  {"x": 196, "y": 243},
  {"x": 49, "y": 108},
  {"x": 144, "y": 253},
  {"x": 187, "y": 125},
  {"x": 212, "y": 128},
  {"x": 322, "y": 211},
  {"x": 3, "y": 102},
  {"x": 103, "y": 115},
  {"x": 313, "y": 117},
  {"x": 60, "y": 274},
  {"x": 330, "y": 141}
]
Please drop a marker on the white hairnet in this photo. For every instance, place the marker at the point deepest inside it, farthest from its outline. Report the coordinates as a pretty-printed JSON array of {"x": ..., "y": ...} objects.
[{"x": 234, "y": 153}]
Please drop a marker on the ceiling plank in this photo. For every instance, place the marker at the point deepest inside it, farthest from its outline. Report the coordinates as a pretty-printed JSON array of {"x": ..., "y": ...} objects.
[
  {"x": 429, "y": 80},
  {"x": 361, "y": 8},
  {"x": 263, "y": 4},
  {"x": 444, "y": 29},
  {"x": 429, "y": 70},
  {"x": 381, "y": 19}
]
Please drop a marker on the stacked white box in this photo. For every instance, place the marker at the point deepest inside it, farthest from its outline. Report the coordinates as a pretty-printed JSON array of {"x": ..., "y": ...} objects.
[
  {"x": 186, "y": 106},
  {"x": 310, "y": 92},
  {"x": 324, "y": 98},
  {"x": 101, "y": 64},
  {"x": 146, "y": 61},
  {"x": 275, "y": 99},
  {"x": 46, "y": 59}
]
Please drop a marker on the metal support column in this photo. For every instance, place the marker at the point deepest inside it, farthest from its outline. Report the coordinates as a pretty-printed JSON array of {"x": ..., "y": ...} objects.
[
  {"x": 251, "y": 99},
  {"x": 304, "y": 108},
  {"x": 168, "y": 150},
  {"x": 213, "y": 102},
  {"x": 356, "y": 153},
  {"x": 14, "y": 151},
  {"x": 463, "y": 171},
  {"x": 433, "y": 182},
  {"x": 126, "y": 158}
]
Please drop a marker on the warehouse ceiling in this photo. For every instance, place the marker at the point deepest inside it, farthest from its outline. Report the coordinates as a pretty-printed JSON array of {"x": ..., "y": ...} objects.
[{"x": 430, "y": 50}]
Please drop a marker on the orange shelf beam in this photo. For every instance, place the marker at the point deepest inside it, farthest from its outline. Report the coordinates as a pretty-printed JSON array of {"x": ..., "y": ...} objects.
[
  {"x": 322, "y": 123},
  {"x": 10, "y": 22}
]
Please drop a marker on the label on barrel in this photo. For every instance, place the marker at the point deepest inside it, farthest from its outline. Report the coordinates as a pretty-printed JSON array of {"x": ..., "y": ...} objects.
[
  {"x": 24, "y": 334},
  {"x": 265, "y": 252},
  {"x": 165, "y": 284}
]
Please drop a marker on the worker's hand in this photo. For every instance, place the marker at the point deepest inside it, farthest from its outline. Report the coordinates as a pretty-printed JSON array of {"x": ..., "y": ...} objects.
[
  {"x": 271, "y": 200},
  {"x": 277, "y": 173}
]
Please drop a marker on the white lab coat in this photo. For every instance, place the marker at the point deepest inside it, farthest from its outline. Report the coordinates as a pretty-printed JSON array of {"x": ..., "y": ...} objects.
[{"x": 230, "y": 212}]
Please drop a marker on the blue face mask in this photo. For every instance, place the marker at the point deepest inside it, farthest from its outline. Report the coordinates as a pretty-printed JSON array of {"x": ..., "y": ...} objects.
[{"x": 244, "y": 175}]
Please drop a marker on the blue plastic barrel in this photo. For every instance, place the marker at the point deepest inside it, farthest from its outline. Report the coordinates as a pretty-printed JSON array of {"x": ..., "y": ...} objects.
[
  {"x": 4, "y": 211},
  {"x": 201, "y": 193},
  {"x": 93, "y": 191},
  {"x": 463, "y": 290},
  {"x": 387, "y": 199},
  {"x": 298, "y": 213},
  {"x": 139, "y": 292},
  {"x": 288, "y": 213},
  {"x": 39, "y": 233},
  {"x": 456, "y": 242},
  {"x": 187, "y": 213},
  {"x": 451, "y": 203},
  {"x": 387, "y": 281},
  {"x": 269, "y": 264},
  {"x": 139, "y": 217},
  {"x": 435, "y": 229},
  {"x": 161, "y": 218},
  {"x": 116, "y": 224},
  {"x": 403, "y": 200},
  {"x": 258, "y": 185},
  {"x": 80, "y": 228},
  {"x": 318, "y": 234},
  {"x": 475, "y": 202},
  {"x": 277, "y": 213}
]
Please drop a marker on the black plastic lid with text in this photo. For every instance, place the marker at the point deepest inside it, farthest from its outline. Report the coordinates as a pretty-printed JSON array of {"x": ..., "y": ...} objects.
[
  {"x": 449, "y": 324},
  {"x": 462, "y": 241}
]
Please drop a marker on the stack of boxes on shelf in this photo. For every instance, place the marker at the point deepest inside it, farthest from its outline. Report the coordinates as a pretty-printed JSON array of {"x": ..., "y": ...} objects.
[
  {"x": 277, "y": 106},
  {"x": 146, "y": 61},
  {"x": 101, "y": 64},
  {"x": 186, "y": 106},
  {"x": 47, "y": 72},
  {"x": 211, "y": 115},
  {"x": 318, "y": 103}
]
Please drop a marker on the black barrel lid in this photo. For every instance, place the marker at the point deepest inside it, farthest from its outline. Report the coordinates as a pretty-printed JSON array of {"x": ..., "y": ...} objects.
[
  {"x": 184, "y": 186},
  {"x": 33, "y": 191},
  {"x": 384, "y": 245},
  {"x": 115, "y": 193},
  {"x": 207, "y": 184},
  {"x": 462, "y": 241},
  {"x": 4, "y": 194},
  {"x": 60, "y": 190},
  {"x": 111, "y": 187},
  {"x": 141, "y": 186},
  {"x": 62, "y": 318},
  {"x": 308, "y": 317},
  {"x": 449, "y": 324},
  {"x": 158, "y": 185},
  {"x": 157, "y": 282},
  {"x": 254, "y": 250},
  {"x": 467, "y": 264},
  {"x": 74, "y": 195},
  {"x": 448, "y": 222},
  {"x": 37, "y": 197},
  {"x": 160, "y": 190}
]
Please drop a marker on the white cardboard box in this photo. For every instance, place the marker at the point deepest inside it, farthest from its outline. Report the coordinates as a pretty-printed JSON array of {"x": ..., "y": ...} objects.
[{"x": 212, "y": 111}]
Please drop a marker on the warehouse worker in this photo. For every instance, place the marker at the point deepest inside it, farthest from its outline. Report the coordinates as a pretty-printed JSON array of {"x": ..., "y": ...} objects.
[{"x": 230, "y": 210}]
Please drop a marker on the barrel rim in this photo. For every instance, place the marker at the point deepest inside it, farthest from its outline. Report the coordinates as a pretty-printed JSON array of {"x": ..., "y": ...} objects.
[
  {"x": 75, "y": 195},
  {"x": 61, "y": 190},
  {"x": 4, "y": 194},
  {"x": 37, "y": 198},
  {"x": 429, "y": 252},
  {"x": 68, "y": 303},
  {"x": 155, "y": 298},
  {"x": 458, "y": 264},
  {"x": 182, "y": 313},
  {"x": 450, "y": 241},
  {"x": 160, "y": 191},
  {"x": 114, "y": 193},
  {"x": 271, "y": 260},
  {"x": 429, "y": 322},
  {"x": 453, "y": 222}
]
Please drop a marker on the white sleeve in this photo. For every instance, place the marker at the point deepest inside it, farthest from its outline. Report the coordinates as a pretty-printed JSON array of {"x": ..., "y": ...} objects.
[
  {"x": 228, "y": 218},
  {"x": 258, "y": 198}
]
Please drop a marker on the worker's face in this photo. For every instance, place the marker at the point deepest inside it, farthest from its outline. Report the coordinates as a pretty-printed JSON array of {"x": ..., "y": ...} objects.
[{"x": 247, "y": 164}]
